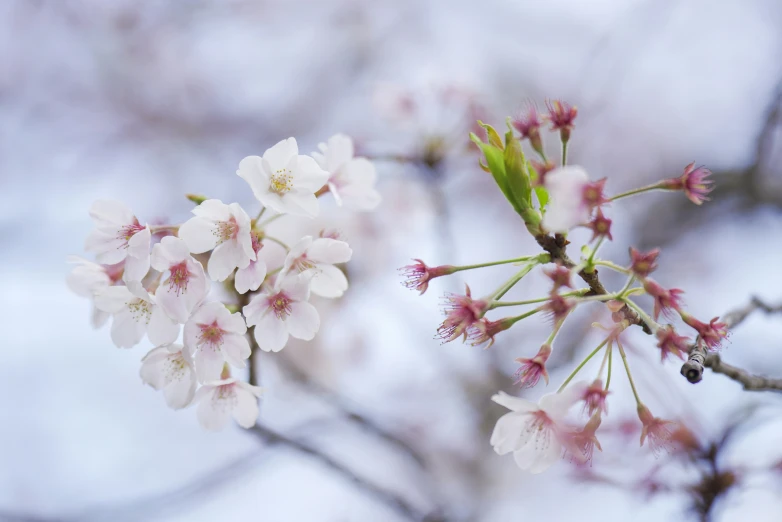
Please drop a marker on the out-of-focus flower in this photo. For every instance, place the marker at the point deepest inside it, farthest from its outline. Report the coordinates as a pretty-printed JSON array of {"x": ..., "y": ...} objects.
[
  {"x": 542, "y": 170},
  {"x": 484, "y": 331},
  {"x": 711, "y": 333},
  {"x": 560, "y": 275},
  {"x": 284, "y": 180},
  {"x": 118, "y": 236},
  {"x": 283, "y": 312},
  {"x": 224, "y": 229},
  {"x": 418, "y": 274},
  {"x": 665, "y": 301},
  {"x": 557, "y": 307},
  {"x": 219, "y": 400},
  {"x": 600, "y": 226},
  {"x": 461, "y": 312},
  {"x": 567, "y": 207},
  {"x": 351, "y": 179},
  {"x": 655, "y": 430},
  {"x": 585, "y": 440},
  {"x": 169, "y": 368},
  {"x": 135, "y": 313},
  {"x": 643, "y": 263},
  {"x": 528, "y": 125},
  {"x": 531, "y": 370},
  {"x": 561, "y": 115},
  {"x": 694, "y": 182},
  {"x": 216, "y": 336},
  {"x": 251, "y": 276},
  {"x": 594, "y": 398},
  {"x": 88, "y": 278},
  {"x": 671, "y": 343},
  {"x": 594, "y": 194},
  {"x": 534, "y": 433},
  {"x": 318, "y": 257},
  {"x": 186, "y": 285}
]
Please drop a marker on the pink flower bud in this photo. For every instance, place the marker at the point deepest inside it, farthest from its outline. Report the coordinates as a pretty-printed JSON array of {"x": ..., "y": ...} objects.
[
  {"x": 643, "y": 263},
  {"x": 671, "y": 343},
  {"x": 558, "y": 307},
  {"x": 712, "y": 334},
  {"x": 665, "y": 301},
  {"x": 654, "y": 430},
  {"x": 528, "y": 125},
  {"x": 560, "y": 275},
  {"x": 594, "y": 398},
  {"x": 484, "y": 331},
  {"x": 594, "y": 194},
  {"x": 694, "y": 182},
  {"x": 418, "y": 274},
  {"x": 531, "y": 370},
  {"x": 542, "y": 169},
  {"x": 600, "y": 226},
  {"x": 561, "y": 115},
  {"x": 461, "y": 312}
]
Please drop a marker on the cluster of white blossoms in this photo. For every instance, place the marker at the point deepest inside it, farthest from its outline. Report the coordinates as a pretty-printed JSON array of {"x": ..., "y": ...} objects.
[{"x": 158, "y": 289}]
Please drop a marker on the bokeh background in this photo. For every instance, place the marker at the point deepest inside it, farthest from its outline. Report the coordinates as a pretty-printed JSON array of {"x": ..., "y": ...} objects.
[{"x": 144, "y": 101}]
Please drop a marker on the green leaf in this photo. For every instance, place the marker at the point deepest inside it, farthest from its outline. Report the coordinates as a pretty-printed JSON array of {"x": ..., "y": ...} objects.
[
  {"x": 516, "y": 171},
  {"x": 496, "y": 165},
  {"x": 494, "y": 137}
]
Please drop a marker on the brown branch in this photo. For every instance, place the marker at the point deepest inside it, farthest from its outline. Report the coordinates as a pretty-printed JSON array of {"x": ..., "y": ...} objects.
[
  {"x": 700, "y": 358},
  {"x": 556, "y": 246}
]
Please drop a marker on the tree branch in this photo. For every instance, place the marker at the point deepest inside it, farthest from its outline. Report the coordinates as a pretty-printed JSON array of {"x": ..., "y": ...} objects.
[{"x": 700, "y": 358}]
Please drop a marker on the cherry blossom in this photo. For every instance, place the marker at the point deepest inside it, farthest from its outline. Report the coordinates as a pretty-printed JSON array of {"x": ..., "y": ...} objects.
[
  {"x": 224, "y": 228},
  {"x": 282, "y": 312},
  {"x": 318, "y": 257},
  {"x": 170, "y": 368},
  {"x": 216, "y": 336},
  {"x": 135, "y": 313},
  {"x": 251, "y": 276},
  {"x": 534, "y": 433},
  {"x": 186, "y": 285},
  {"x": 567, "y": 207},
  {"x": 284, "y": 180},
  {"x": 118, "y": 236},
  {"x": 351, "y": 179},
  {"x": 219, "y": 400},
  {"x": 87, "y": 279}
]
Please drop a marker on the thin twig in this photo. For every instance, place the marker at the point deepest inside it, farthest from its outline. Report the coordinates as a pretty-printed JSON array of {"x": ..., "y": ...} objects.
[{"x": 700, "y": 358}]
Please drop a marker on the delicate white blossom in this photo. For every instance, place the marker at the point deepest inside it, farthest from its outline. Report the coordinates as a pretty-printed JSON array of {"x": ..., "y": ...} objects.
[
  {"x": 282, "y": 312},
  {"x": 170, "y": 368},
  {"x": 284, "y": 180},
  {"x": 87, "y": 279},
  {"x": 224, "y": 228},
  {"x": 535, "y": 433},
  {"x": 219, "y": 400},
  {"x": 566, "y": 208},
  {"x": 215, "y": 336},
  {"x": 135, "y": 313},
  {"x": 186, "y": 285},
  {"x": 251, "y": 277},
  {"x": 351, "y": 179},
  {"x": 318, "y": 257},
  {"x": 119, "y": 236}
]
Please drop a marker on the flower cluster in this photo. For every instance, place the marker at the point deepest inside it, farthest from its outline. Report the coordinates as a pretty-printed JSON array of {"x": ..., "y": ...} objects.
[
  {"x": 154, "y": 281},
  {"x": 552, "y": 200}
]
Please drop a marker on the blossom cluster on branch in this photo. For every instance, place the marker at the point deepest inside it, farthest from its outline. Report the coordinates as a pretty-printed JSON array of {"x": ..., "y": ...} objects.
[
  {"x": 157, "y": 280},
  {"x": 552, "y": 198}
]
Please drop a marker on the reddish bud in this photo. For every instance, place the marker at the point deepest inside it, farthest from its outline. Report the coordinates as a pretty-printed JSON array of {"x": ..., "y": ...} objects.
[
  {"x": 600, "y": 226},
  {"x": 643, "y": 263},
  {"x": 594, "y": 398},
  {"x": 561, "y": 115},
  {"x": 655, "y": 430},
  {"x": 665, "y": 301},
  {"x": 542, "y": 169},
  {"x": 484, "y": 331},
  {"x": 418, "y": 274},
  {"x": 461, "y": 311},
  {"x": 558, "y": 307},
  {"x": 531, "y": 370},
  {"x": 560, "y": 275},
  {"x": 593, "y": 194},
  {"x": 528, "y": 125},
  {"x": 582, "y": 443},
  {"x": 694, "y": 182},
  {"x": 670, "y": 343},
  {"x": 712, "y": 334}
]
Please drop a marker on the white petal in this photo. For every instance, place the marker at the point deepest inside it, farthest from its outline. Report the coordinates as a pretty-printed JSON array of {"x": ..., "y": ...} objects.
[
  {"x": 127, "y": 329},
  {"x": 174, "y": 305},
  {"x": 257, "y": 306},
  {"x": 113, "y": 299},
  {"x": 514, "y": 403},
  {"x": 107, "y": 212},
  {"x": 297, "y": 287},
  {"x": 329, "y": 251},
  {"x": 250, "y": 278},
  {"x": 280, "y": 154},
  {"x": 339, "y": 151},
  {"x": 328, "y": 281},
  {"x": 308, "y": 175},
  {"x": 236, "y": 349},
  {"x": 246, "y": 410},
  {"x": 87, "y": 278},
  {"x": 213, "y": 412},
  {"x": 243, "y": 237},
  {"x": 271, "y": 333},
  {"x": 99, "y": 317},
  {"x": 198, "y": 234},
  {"x": 213, "y": 210},
  {"x": 233, "y": 323},
  {"x": 208, "y": 362},
  {"x": 225, "y": 258},
  {"x": 138, "y": 244},
  {"x": 161, "y": 329},
  {"x": 151, "y": 367},
  {"x": 505, "y": 437},
  {"x": 136, "y": 267},
  {"x": 546, "y": 457},
  {"x": 303, "y": 322},
  {"x": 301, "y": 204},
  {"x": 180, "y": 392}
]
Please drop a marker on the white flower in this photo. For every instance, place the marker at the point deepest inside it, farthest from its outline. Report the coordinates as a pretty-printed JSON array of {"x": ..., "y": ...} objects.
[
  {"x": 351, "y": 180},
  {"x": 118, "y": 236},
  {"x": 251, "y": 277},
  {"x": 87, "y": 279},
  {"x": 318, "y": 257},
  {"x": 134, "y": 313},
  {"x": 224, "y": 228},
  {"x": 567, "y": 207},
  {"x": 535, "y": 433},
  {"x": 281, "y": 312},
  {"x": 215, "y": 336},
  {"x": 169, "y": 368},
  {"x": 186, "y": 285},
  {"x": 283, "y": 180},
  {"x": 220, "y": 399}
]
